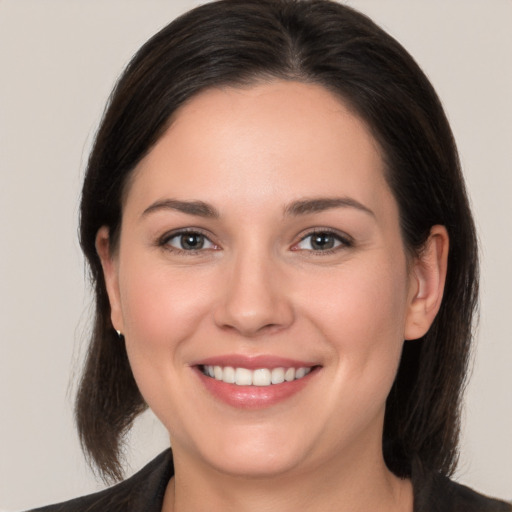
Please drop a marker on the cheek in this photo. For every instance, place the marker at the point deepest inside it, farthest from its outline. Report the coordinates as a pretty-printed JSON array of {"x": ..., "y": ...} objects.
[
  {"x": 361, "y": 314},
  {"x": 361, "y": 300},
  {"x": 161, "y": 307}
]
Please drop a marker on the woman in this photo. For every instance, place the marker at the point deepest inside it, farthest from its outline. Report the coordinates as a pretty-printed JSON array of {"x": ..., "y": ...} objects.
[{"x": 272, "y": 206}]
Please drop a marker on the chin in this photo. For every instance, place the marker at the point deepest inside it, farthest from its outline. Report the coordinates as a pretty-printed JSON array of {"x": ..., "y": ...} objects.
[
  {"x": 260, "y": 455},
  {"x": 263, "y": 465}
]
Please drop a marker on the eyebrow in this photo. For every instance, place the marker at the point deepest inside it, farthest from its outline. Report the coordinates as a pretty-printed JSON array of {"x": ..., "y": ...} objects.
[
  {"x": 315, "y": 205},
  {"x": 198, "y": 208},
  {"x": 301, "y": 207}
]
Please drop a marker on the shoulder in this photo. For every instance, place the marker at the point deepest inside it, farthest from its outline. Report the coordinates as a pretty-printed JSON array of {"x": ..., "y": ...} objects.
[
  {"x": 143, "y": 491},
  {"x": 467, "y": 499},
  {"x": 112, "y": 499},
  {"x": 444, "y": 495}
]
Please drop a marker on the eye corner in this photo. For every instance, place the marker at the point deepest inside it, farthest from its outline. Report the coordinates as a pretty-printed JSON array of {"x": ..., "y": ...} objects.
[
  {"x": 327, "y": 241},
  {"x": 188, "y": 241}
]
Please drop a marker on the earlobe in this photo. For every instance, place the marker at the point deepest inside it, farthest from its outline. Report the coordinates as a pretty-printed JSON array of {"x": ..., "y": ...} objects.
[
  {"x": 110, "y": 274},
  {"x": 428, "y": 277}
]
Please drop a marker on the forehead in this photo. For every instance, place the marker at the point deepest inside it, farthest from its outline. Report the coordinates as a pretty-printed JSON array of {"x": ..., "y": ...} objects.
[{"x": 258, "y": 143}]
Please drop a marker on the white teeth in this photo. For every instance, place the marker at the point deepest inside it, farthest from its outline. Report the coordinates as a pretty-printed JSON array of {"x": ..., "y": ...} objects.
[
  {"x": 228, "y": 375},
  {"x": 243, "y": 377},
  {"x": 300, "y": 372},
  {"x": 289, "y": 374},
  {"x": 277, "y": 375},
  {"x": 259, "y": 377}
]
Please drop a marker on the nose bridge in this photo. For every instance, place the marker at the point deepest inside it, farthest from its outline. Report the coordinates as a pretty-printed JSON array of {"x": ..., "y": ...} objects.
[{"x": 254, "y": 296}]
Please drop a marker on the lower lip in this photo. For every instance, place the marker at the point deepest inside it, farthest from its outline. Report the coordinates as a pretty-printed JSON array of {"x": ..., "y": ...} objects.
[{"x": 254, "y": 397}]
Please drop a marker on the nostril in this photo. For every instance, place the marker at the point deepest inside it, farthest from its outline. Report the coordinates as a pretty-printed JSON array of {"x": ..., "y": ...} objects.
[
  {"x": 253, "y": 299},
  {"x": 254, "y": 321}
]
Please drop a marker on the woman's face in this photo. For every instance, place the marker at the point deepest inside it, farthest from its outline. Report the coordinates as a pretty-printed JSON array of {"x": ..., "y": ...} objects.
[{"x": 260, "y": 242}]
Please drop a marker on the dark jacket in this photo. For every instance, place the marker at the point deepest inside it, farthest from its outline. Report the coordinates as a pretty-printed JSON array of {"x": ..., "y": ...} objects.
[{"x": 144, "y": 492}]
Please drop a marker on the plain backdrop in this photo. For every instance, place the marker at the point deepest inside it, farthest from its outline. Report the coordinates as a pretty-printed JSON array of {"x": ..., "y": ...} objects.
[{"x": 58, "y": 62}]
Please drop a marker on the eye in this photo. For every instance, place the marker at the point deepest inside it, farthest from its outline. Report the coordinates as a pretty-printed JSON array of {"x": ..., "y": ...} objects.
[
  {"x": 188, "y": 241},
  {"x": 321, "y": 241}
]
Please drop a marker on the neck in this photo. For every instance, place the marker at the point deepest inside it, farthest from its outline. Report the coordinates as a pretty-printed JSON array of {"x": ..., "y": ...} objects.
[{"x": 363, "y": 484}]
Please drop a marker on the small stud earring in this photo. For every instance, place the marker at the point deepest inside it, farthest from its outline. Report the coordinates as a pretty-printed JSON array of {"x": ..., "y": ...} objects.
[{"x": 119, "y": 333}]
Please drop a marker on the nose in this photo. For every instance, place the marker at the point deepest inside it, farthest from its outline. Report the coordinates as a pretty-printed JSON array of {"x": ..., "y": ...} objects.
[{"x": 254, "y": 298}]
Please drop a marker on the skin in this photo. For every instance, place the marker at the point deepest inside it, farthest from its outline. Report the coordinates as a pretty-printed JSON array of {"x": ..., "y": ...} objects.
[{"x": 258, "y": 287}]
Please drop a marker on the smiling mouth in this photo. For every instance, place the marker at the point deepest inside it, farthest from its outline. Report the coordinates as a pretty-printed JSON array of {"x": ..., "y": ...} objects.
[{"x": 258, "y": 377}]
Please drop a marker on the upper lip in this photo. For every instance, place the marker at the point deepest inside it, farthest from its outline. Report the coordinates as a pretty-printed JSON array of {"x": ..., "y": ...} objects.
[{"x": 253, "y": 362}]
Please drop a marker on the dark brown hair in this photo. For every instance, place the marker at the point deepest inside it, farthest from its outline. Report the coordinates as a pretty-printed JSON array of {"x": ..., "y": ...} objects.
[{"x": 239, "y": 42}]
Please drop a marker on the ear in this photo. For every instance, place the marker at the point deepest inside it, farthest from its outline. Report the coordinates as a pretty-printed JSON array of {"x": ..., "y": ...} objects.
[
  {"x": 428, "y": 276},
  {"x": 111, "y": 275}
]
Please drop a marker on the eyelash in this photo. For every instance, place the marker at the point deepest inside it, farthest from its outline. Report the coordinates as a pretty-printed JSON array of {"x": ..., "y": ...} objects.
[
  {"x": 344, "y": 241},
  {"x": 165, "y": 239}
]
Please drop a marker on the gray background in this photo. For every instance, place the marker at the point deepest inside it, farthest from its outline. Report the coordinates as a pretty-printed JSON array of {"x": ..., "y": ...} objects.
[{"x": 58, "y": 62}]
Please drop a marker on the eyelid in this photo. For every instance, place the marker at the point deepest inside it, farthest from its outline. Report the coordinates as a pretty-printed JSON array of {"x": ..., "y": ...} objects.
[
  {"x": 344, "y": 239},
  {"x": 163, "y": 240}
]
